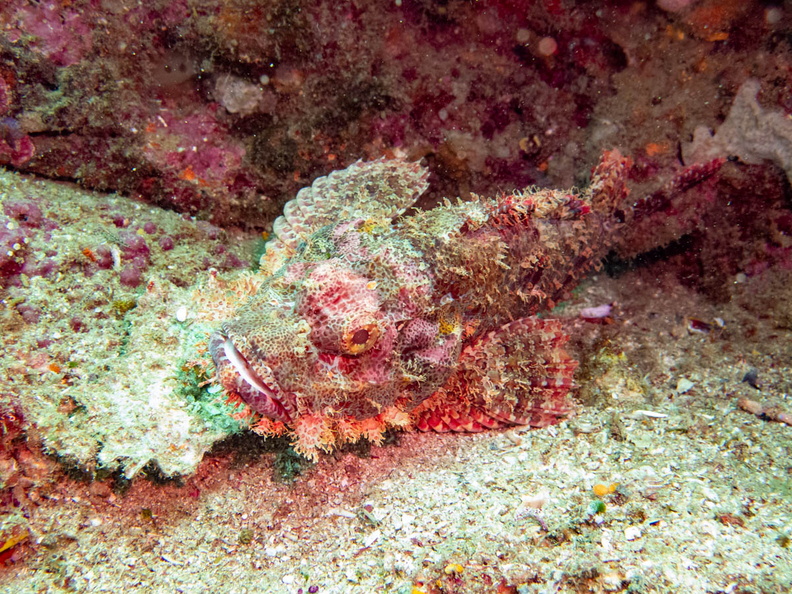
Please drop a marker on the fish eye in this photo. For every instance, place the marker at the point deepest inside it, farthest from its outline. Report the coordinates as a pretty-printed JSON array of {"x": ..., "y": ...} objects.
[
  {"x": 360, "y": 336},
  {"x": 360, "y": 339}
]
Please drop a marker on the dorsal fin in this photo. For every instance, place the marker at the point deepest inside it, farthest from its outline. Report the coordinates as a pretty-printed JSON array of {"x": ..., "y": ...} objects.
[{"x": 379, "y": 189}]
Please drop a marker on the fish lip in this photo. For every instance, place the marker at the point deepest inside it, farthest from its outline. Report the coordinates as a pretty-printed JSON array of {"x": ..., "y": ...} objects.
[{"x": 225, "y": 352}]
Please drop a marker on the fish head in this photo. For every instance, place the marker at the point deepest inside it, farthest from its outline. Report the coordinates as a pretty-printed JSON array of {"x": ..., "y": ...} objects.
[{"x": 347, "y": 327}]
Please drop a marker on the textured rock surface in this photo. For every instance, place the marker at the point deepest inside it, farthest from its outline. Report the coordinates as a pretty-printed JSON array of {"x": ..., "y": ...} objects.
[{"x": 100, "y": 368}]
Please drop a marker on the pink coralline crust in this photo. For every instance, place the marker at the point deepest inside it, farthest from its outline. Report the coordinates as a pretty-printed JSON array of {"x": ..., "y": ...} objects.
[
  {"x": 30, "y": 314},
  {"x": 20, "y": 223},
  {"x": 13, "y": 251},
  {"x": 134, "y": 247},
  {"x": 5, "y": 97},
  {"x": 194, "y": 146},
  {"x": 232, "y": 262},
  {"x": 166, "y": 243},
  {"x": 336, "y": 84},
  {"x": 200, "y": 164},
  {"x": 170, "y": 14},
  {"x": 104, "y": 257},
  {"x": 16, "y": 151},
  {"x": 63, "y": 35},
  {"x": 131, "y": 275},
  {"x": 45, "y": 267},
  {"x": 120, "y": 221},
  {"x": 27, "y": 213},
  {"x": 211, "y": 231}
]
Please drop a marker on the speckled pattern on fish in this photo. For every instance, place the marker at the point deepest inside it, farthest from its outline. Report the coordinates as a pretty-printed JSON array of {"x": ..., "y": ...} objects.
[{"x": 371, "y": 318}]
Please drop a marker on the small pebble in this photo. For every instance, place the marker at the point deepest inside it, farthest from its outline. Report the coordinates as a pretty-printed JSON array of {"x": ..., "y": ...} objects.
[
  {"x": 598, "y": 312},
  {"x": 752, "y": 379},
  {"x": 774, "y": 15},
  {"x": 650, "y": 413},
  {"x": 632, "y": 532},
  {"x": 547, "y": 46},
  {"x": 181, "y": 314},
  {"x": 751, "y": 406},
  {"x": 534, "y": 501}
]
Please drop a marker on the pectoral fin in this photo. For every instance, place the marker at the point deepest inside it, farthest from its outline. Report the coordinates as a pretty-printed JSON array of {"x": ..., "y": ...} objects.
[{"x": 518, "y": 374}]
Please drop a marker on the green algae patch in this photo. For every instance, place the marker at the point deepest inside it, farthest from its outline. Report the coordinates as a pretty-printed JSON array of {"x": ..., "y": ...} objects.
[{"x": 203, "y": 397}]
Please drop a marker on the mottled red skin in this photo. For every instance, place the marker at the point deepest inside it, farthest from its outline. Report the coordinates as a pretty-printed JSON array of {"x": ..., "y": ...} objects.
[{"x": 426, "y": 322}]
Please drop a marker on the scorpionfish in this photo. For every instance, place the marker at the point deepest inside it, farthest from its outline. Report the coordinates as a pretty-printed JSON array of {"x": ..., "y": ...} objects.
[{"x": 369, "y": 318}]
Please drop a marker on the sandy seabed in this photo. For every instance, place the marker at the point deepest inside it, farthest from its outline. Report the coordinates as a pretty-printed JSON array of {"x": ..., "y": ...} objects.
[{"x": 697, "y": 493}]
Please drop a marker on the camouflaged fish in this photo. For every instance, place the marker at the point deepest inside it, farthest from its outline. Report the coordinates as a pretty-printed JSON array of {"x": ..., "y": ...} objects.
[{"x": 371, "y": 318}]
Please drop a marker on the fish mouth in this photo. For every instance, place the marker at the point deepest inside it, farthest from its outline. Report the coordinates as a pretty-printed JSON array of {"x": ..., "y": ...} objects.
[{"x": 246, "y": 380}]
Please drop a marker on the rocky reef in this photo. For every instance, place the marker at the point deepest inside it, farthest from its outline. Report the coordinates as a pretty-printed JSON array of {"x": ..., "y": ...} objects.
[
  {"x": 146, "y": 149},
  {"x": 227, "y": 109}
]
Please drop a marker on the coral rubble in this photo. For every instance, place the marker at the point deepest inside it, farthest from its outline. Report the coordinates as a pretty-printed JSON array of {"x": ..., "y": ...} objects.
[{"x": 750, "y": 132}]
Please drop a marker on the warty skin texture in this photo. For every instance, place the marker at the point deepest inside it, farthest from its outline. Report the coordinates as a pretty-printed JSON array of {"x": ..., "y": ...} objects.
[{"x": 370, "y": 319}]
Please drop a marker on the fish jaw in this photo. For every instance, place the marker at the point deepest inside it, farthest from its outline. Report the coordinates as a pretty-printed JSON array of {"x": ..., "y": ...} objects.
[{"x": 238, "y": 376}]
